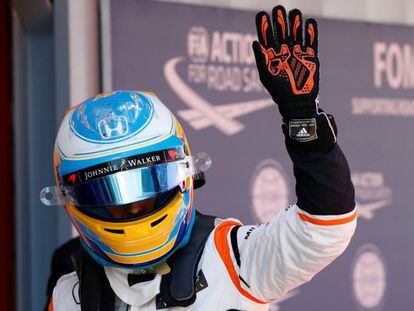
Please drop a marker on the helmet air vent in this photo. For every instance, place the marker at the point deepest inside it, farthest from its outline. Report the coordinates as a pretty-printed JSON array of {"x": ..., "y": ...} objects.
[
  {"x": 158, "y": 221},
  {"x": 116, "y": 231}
]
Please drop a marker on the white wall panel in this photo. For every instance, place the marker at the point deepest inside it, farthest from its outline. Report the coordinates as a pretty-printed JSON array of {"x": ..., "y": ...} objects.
[{"x": 396, "y": 11}]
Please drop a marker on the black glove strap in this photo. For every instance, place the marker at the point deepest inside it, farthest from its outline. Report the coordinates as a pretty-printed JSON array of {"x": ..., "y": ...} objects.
[{"x": 316, "y": 132}]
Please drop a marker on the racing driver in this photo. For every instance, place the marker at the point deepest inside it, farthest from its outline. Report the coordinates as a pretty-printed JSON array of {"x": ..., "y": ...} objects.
[{"x": 126, "y": 176}]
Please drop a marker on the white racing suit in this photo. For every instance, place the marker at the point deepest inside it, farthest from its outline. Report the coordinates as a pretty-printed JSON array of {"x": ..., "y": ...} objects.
[{"x": 247, "y": 267}]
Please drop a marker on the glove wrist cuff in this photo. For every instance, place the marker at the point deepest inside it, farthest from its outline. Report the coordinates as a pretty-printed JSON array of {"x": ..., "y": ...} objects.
[
  {"x": 317, "y": 131},
  {"x": 297, "y": 109}
]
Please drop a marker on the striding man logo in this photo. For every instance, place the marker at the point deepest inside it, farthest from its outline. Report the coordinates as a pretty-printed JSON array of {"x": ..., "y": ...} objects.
[{"x": 122, "y": 166}]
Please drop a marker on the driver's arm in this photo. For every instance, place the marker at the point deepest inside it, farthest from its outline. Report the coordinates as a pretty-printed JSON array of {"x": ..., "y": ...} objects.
[
  {"x": 301, "y": 240},
  {"x": 304, "y": 238}
]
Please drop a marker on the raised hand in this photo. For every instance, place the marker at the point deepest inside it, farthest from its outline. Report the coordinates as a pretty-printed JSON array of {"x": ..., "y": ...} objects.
[{"x": 288, "y": 65}]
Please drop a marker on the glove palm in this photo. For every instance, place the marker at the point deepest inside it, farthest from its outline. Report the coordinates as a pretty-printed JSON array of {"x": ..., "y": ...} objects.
[{"x": 288, "y": 65}]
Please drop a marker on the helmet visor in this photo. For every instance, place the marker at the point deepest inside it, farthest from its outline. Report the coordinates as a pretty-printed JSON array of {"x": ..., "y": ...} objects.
[
  {"x": 128, "y": 186},
  {"x": 131, "y": 211},
  {"x": 122, "y": 183}
]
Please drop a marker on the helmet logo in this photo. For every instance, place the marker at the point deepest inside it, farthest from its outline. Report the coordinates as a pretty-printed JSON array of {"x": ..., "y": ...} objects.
[
  {"x": 172, "y": 154},
  {"x": 72, "y": 178},
  {"x": 113, "y": 126},
  {"x": 123, "y": 165}
]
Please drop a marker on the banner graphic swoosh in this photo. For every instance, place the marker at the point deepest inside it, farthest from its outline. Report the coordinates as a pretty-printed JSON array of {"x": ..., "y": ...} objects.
[{"x": 192, "y": 99}]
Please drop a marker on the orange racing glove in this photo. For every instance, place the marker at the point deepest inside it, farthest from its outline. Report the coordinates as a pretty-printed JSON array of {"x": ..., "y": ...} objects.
[{"x": 289, "y": 69}]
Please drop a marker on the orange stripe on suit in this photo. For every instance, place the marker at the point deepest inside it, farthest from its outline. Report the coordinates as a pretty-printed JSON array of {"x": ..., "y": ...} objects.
[
  {"x": 327, "y": 222},
  {"x": 222, "y": 245}
]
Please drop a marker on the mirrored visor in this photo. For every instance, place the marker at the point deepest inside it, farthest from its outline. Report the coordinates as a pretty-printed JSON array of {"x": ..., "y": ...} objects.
[{"x": 127, "y": 186}]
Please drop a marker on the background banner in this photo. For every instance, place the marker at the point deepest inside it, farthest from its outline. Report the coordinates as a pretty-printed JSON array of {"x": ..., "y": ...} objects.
[{"x": 199, "y": 61}]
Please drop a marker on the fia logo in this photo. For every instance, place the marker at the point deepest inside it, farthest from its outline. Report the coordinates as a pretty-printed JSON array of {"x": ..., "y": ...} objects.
[
  {"x": 113, "y": 126},
  {"x": 198, "y": 44}
]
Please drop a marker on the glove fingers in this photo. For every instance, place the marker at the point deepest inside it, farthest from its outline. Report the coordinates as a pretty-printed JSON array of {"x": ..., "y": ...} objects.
[
  {"x": 264, "y": 30},
  {"x": 311, "y": 35},
  {"x": 280, "y": 24},
  {"x": 295, "y": 27}
]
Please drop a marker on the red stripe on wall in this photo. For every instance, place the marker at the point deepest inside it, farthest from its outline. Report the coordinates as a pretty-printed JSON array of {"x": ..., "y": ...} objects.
[{"x": 6, "y": 164}]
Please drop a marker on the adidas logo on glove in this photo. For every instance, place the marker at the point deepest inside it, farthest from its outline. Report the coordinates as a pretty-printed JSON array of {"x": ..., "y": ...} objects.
[{"x": 303, "y": 133}]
